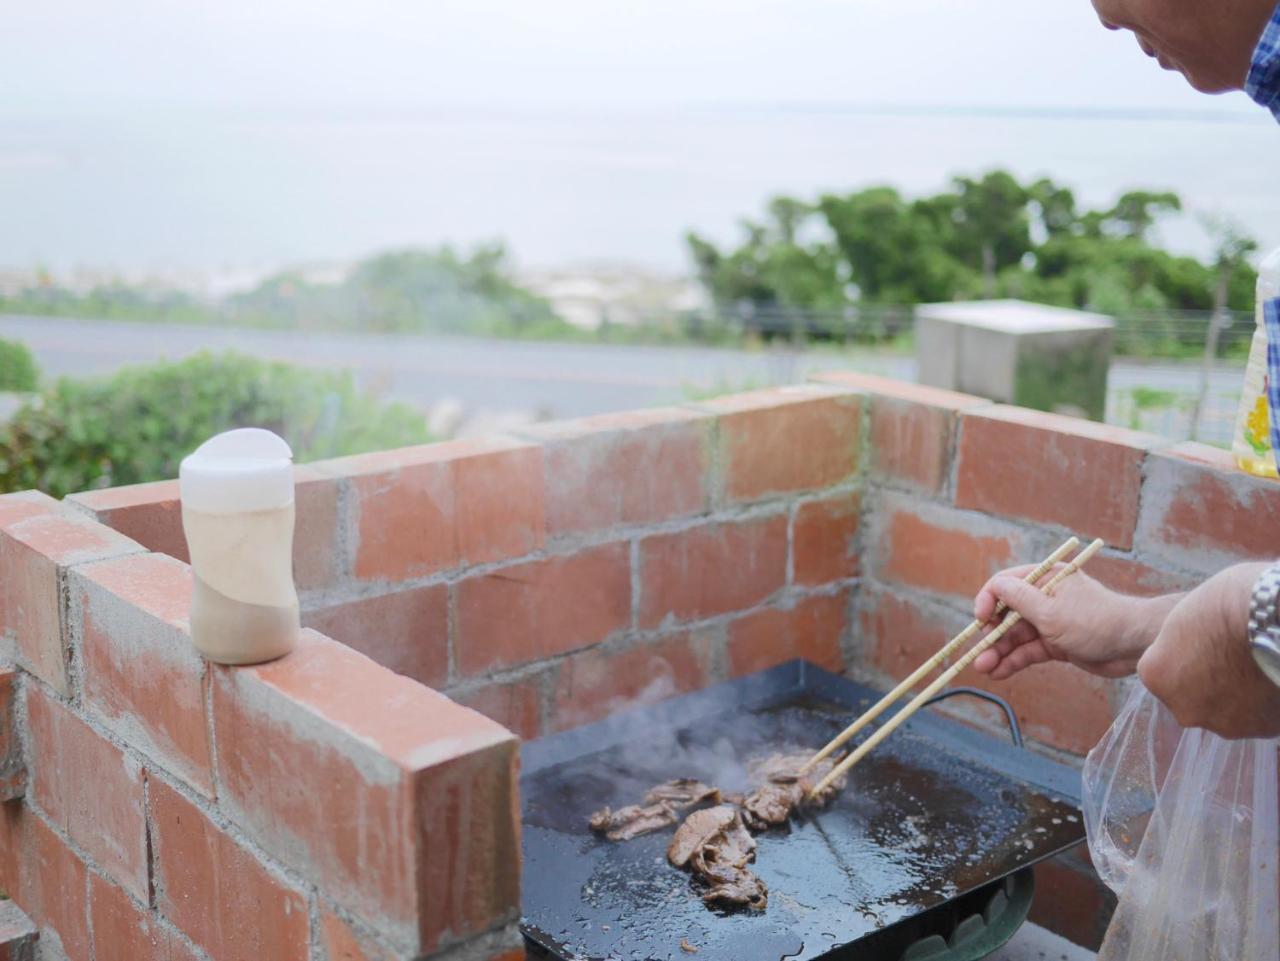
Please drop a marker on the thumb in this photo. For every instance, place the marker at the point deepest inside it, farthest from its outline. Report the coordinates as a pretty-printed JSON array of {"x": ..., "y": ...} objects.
[{"x": 1020, "y": 596}]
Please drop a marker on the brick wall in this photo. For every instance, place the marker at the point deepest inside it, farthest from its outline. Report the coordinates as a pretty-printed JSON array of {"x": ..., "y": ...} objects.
[
  {"x": 545, "y": 580},
  {"x": 158, "y": 807}
]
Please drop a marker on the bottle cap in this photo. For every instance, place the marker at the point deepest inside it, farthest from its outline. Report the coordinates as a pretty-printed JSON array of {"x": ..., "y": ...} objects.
[{"x": 249, "y": 469}]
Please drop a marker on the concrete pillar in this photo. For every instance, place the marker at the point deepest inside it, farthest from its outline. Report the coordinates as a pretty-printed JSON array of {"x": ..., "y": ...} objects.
[{"x": 1015, "y": 352}]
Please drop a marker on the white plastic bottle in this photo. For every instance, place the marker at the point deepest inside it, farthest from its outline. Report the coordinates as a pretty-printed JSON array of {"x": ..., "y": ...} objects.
[
  {"x": 238, "y": 515},
  {"x": 1251, "y": 443}
]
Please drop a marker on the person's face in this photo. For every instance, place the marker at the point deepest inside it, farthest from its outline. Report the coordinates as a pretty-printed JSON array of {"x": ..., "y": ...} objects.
[{"x": 1208, "y": 41}]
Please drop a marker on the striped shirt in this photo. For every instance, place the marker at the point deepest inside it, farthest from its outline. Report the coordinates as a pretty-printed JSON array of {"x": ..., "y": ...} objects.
[
  {"x": 1263, "y": 83},
  {"x": 1271, "y": 320}
]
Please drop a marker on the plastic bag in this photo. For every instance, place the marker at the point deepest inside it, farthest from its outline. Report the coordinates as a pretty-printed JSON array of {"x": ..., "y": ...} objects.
[{"x": 1185, "y": 827}]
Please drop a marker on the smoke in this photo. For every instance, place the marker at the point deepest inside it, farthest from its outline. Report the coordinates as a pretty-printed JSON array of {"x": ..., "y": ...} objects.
[{"x": 656, "y": 751}]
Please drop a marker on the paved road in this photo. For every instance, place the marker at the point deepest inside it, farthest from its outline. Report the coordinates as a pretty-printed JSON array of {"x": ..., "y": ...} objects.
[
  {"x": 561, "y": 380},
  {"x": 550, "y": 379}
]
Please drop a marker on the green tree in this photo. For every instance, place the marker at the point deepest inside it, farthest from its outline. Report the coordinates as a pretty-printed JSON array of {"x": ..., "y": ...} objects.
[
  {"x": 1055, "y": 207},
  {"x": 988, "y": 235},
  {"x": 1137, "y": 211},
  {"x": 893, "y": 247},
  {"x": 777, "y": 268},
  {"x": 993, "y": 226}
]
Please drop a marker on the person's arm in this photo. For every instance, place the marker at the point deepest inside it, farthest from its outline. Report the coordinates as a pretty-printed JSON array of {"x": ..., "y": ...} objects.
[
  {"x": 1083, "y": 623},
  {"x": 1201, "y": 666},
  {"x": 1191, "y": 650}
]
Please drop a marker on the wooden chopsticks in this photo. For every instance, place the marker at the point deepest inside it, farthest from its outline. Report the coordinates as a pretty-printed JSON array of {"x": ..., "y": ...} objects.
[
  {"x": 948, "y": 675},
  {"x": 947, "y": 650}
]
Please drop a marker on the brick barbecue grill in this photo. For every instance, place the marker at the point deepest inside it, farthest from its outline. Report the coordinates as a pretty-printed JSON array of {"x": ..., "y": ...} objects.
[{"x": 359, "y": 800}]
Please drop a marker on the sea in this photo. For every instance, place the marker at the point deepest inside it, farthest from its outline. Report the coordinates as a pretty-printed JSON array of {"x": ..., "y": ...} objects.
[{"x": 229, "y": 193}]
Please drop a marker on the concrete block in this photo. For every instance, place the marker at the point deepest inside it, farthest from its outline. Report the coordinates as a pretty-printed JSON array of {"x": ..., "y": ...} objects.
[{"x": 1031, "y": 355}]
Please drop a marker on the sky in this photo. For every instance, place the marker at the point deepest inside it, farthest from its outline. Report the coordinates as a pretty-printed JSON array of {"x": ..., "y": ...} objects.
[
  {"x": 162, "y": 135},
  {"x": 69, "y": 56}
]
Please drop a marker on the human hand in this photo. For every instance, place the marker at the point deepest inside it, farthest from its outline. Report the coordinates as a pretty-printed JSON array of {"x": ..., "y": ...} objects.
[
  {"x": 1200, "y": 664},
  {"x": 1083, "y": 623}
]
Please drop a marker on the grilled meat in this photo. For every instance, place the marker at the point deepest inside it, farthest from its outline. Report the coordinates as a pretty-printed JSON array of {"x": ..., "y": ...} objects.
[
  {"x": 715, "y": 843},
  {"x": 696, "y": 830},
  {"x": 716, "y": 846},
  {"x": 746, "y": 892},
  {"x": 771, "y": 805},
  {"x": 658, "y": 811},
  {"x": 786, "y": 789},
  {"x": 682, "y": 793},
  {"x": 632, "y": 821}
]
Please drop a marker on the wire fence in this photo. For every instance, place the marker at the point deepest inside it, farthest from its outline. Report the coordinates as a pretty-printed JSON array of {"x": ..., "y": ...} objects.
[{"x": 1173, "y": 373}]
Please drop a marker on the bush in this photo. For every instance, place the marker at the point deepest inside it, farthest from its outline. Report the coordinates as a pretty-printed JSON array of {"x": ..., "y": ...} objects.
[
  {"x": 138, "y": 424},
  {"x": 18, "y": 371}
]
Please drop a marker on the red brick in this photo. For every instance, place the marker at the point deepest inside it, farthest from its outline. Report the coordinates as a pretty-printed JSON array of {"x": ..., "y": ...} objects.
[
  {"x": 786, "y": 439},
  {"x": 516, "y": 705},
  {"x": 13, "y": 769},
  {"x": 1057, "y": 704},
  {"x": 898, "y": 633},
  {"x": 638, "y": 467},
  {"x": 24, "y": 504},
  {"x": 532, "y": 611},
  {"x": 151, "y": 514},
  {"x": 424, "y": 789},
  {"x": 911, "y": 443},
  {"x": 14, "y": 818},
  {"x": 1198, "y": 453},
  {"x": 712, "y": 569},
  {"x": 90, "y": 789},
  {"x": 33, "y": 553},
  {"x": 316, "y": 558},
  {"x": 405, "y": 524},
  {"x": 1071, "y": 903},
  {"x": 600, "y": 682},
  {"x": 217, "y": 892},
  {"x": 18, "y": 934},
  {"x": 342, "y": 943},
  {"x": 123, "y": 931},
  {"x": 911, "y": 427},
  {"x": 824, "y": 539},
  {"x": 894, "y": 389},
  {"x": 498, "y": 504},
  {"x": 52, "y": 889},
  {"x": 406, "y": 631},
  {"x": 1207, "y": 516},
  {"x": 1052, "y": 469},
  {"x": 812, "y": 630},
  {"x": 142, "y": 676},
  {"x": 426, "y": 509},
  {"x": 68, "y": 538},
  {"x": 1129, "y": 576},
  {"x": 935, "y": 549}
]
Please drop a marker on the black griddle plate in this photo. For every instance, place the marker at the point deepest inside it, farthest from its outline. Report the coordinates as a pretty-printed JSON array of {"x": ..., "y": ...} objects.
[{"x": 935, "y": 812}]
